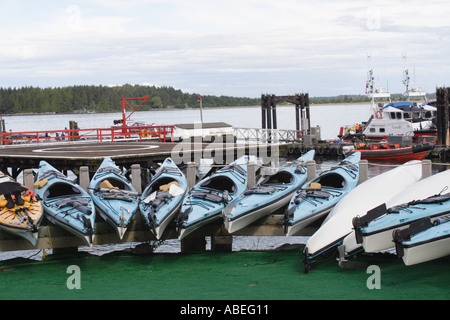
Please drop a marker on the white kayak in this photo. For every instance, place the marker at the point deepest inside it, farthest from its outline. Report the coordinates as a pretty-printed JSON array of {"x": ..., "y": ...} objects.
[{"x": 364, "y": 197}]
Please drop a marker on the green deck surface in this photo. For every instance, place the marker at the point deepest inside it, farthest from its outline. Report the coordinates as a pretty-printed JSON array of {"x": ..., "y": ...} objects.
[{"x": 246, "y": 275}]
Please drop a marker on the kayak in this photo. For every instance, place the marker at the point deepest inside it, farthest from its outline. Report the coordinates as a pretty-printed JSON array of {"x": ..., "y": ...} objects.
[
  {"x": 162, "y": 198},
  {"x": 66, "y": 204},
  {"x": 318, "y": 197},
  {"x": 361, "y": 199},
  {"x": 423, "y": 240},
  {"x": 114, "y": 196},
  {"x": 21, "y": 212},
  {"x": 422, "y": 199},
  {"x": 272, "y": 193},
  {"x": 206, "y": 200}
]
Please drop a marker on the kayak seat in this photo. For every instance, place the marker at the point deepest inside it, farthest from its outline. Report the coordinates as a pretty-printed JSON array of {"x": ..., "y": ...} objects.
[
  {"x": 281, "y": 177},
  {"x": 331, "y": 180},
  {"x": 260, "y": 189},
  {"x": 220, "y": 184},
  {"x": 61, "y": 189},
  {"x": 112, "y": 183},
  {"x": 157, "y": 185}
]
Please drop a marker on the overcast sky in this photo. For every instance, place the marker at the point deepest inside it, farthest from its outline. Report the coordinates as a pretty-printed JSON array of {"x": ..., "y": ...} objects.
[{"x": 234, "y": 47}]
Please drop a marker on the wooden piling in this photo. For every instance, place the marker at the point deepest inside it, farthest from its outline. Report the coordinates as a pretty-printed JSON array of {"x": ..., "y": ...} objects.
[{"x": 443, "y": 115}]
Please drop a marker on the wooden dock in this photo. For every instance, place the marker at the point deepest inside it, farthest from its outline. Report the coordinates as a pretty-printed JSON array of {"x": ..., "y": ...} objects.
[{"x": 83, "y": 159}]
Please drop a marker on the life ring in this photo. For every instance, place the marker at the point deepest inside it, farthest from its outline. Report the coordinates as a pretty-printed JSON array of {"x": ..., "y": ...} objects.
[
  {"x": 379, "y": 114},
  {"x": 144, "y": 133}
]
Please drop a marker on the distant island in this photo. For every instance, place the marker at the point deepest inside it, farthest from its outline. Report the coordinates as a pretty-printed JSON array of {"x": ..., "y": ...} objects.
[{"x": 91, "y": 98}]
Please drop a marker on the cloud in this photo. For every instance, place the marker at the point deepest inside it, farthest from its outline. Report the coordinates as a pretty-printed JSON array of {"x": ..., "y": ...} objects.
[{"x": 239, "y": 48}]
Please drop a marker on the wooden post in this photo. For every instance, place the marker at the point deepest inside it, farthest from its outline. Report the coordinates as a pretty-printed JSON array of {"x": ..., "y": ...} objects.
[
  {"x": 28, "y": 179},
  {"x": 426, "y": 168},
  {"x": 363, "y": 171},
  {"x": 222, "y": 243},
  {"x": 443, "y": 115},
  {"x": 311, "y": 170},
  {"x": 136, "y": 177},
  {"x": 251, "y": 174},
  {"x": 193, "y": 242},
  {"x": 191, "y": 174},
  {"x": 84, "y": 177}
]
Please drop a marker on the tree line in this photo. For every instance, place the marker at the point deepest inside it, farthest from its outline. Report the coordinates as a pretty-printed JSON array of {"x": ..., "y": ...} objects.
[
  {"x": 104, "y": 98},
  {"x": 89, "y": 98}
]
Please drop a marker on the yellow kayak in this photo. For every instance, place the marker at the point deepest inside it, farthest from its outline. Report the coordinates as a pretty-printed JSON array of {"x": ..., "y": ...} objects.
[{"x": 20, "y": 210}]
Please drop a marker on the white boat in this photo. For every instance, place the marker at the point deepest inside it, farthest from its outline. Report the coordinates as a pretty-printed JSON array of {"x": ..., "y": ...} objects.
[
  {"x": 423, "y": 241},
  {"x": 403, "y": 118},
  {"x": 374, "y": 232},
  {"x": 364, "y": 197}
]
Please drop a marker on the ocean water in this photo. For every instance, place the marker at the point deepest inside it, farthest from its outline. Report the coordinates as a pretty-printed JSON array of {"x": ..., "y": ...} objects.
[{"x": 330, "y": 117}]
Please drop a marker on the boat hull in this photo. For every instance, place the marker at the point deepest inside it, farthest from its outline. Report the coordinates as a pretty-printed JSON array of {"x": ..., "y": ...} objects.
[
  {"x": 378, "y": 233},
  {"x": 206, "y": 200},
  {"x": 307, "y": 206},
  {"x": 255, "y": 214},
  {"x": 66, "y": 204},
  {"x": 381, "y": 189},
  {"x": 430, "y": 244},
  {"x": 400, "y": 154},
  {"x": 271, "y": 194},
  {"x": 21, "y": 219}
]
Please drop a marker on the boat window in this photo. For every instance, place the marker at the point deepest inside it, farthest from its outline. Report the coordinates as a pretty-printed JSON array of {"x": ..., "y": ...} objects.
[
  {"x": 392, "y": 115},
  {"x": 372, "y": 129},
  {"x": 220, "y": 183},
  {"x": 382, "y": 130},
  {"x": 399, "y": 115}
]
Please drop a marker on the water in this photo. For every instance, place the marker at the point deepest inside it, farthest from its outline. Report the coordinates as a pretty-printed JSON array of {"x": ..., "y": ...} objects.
[{"x": 329, "y": 117}]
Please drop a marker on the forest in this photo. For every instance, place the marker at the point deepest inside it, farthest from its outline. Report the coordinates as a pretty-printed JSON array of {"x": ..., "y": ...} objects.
[
  {"x": 104, "y": 99},
  {"x": 89, "y": 98}
]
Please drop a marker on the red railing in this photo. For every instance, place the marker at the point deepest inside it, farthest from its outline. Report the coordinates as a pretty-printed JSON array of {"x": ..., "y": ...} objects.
[{"x": 140, "y": 133}]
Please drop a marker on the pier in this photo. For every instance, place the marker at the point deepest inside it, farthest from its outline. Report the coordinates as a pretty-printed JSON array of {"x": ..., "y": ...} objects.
[{"x": 53, "y": 237}]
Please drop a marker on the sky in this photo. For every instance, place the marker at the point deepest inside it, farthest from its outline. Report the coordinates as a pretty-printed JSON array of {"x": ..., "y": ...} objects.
[{"x": 241, "y": 48}]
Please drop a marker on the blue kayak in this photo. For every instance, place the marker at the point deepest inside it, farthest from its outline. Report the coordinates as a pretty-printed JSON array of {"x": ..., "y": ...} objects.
[
  {"x": 206, "y": 200},
  {"x": 162, "y": 198},
  {"x": 377, "y": 234},
  {"x": 423, "y": 240},
  {"x": 272, "y": 193},
  {"x": 114, "y": 196},
  {"x": 317, "y": 198},
  {"x": 66, "y": 204}
]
